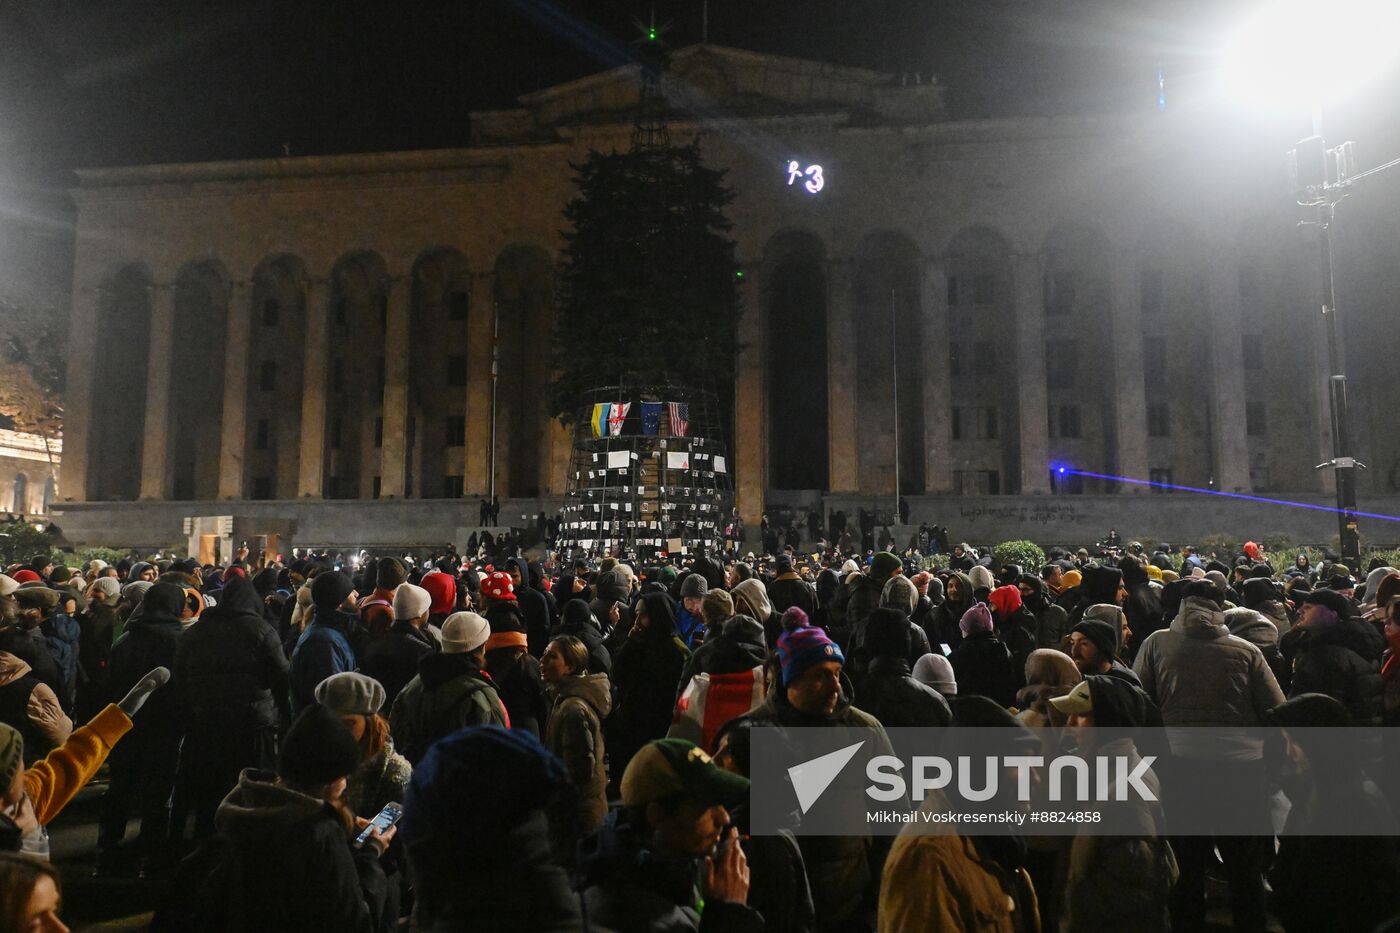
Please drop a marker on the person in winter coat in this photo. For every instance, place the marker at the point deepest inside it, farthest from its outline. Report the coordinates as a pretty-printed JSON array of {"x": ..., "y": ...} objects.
[
  {"x": 98, "y": 624},
  {"x": 516, "y": 674},
  {"x": 887, "y": 691},
  {"x": 1199, "y": 674},
  {"x": 1051, "y": 621},
  {"x": 778, "y": 887},
  {"x": 669, "y": 860},
  {"x": 1254, "y": 628},
  {"x": 523, "y": 885},
  {"x": 738, "y": 644},
  {"x": 936, "y": 671},
  {"x": 30, "y": 707},
  {"x": 863, "y": 597},
  {"x": 143, "y": 766},
  {"x": 577, "y": 621},
  {"x": 813, "y": 691},
  {"x": 937, "y": 880},
  {"x": 1049, "y": 674},
  {"x": 382, "y": 774},
  {"x": 1141, "y": 604},
  {"x": 750, "y": 598},
  {"x": 450, "y": 691},
  {"x": 1119, "y": 877},
  {"x": 324, "y": 647},
  {"x": 646, "y": 670},
  {"x": 690, "y": 621},
  {"x": 1101, "y": 585},
  {"x": 232, "y": 679},
  {"x": 392, "y": 659},
  {"x": 1336, "y": 654},
  {"x": 25, "y": 638},
  {"x": 376, "y": 611},
  {"x": 574, "y": 730},
  {"x": 1390, "y": 668},
  {"x": 442, "y": 593},
  {"x": 533, "y": 606},
  {"x": 982, "y": 661},
  {"x": 946, "y": 617},
  {"x": 900, "y": 595},
  {"x": 787, "y": 589},
  {"x": 290, "y": 836},
  {"x": 1337, "y": 866},
  {"x": 1014, "y": 625}
]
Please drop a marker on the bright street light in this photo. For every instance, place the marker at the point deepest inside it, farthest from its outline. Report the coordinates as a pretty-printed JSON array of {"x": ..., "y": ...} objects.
[{"x": 1301, "y": 54}]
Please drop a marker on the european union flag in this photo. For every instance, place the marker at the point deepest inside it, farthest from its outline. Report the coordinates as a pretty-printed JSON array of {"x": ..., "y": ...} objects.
[{"x": 651, "y": 417}]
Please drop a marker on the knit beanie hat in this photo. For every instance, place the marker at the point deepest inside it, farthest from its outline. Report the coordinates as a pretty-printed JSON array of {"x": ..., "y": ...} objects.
[
  {"x": 848, "y": 568},
  {"x": 887, "y": 634},
  {"x": 109, "y": 589},
  {"x": 793, "y": 618},
  {"x": 464, "y": 632},
  {"x": 1101, "y": 633},
  {"x": 390, "y": 573},
  {"x": 899, "y": 593},
  {"x": 802, "y": 648},
  {"x": 350, "y": 694},
  {"x": 694, "y": 585},
  {"x": 1053, "y": 668},
  {"x": 982, "y": 579},
  {"x": 1005, "y": 600},
  {"x": 977, "y": 619},
  {"x": 1259, "y": 591},
  {"x": 318, "y": 749},
  {"x": 27, "y": 576},
  {"x": 883, "y": 564},
  {"x": 936, "y": 671},
  {"x": 443, "y": 590},
  {"x": 331, "y": 588},
  {"x": 136, "y": 590},
  {"x": 7, "y": 585},
  {"x": 60, "y": 574},
  {"x": 11, "y": 754},
  {"x": 411, "y": 601},
  {"x": 498, "y": 586},
  {"x": 717, "y": 606}
]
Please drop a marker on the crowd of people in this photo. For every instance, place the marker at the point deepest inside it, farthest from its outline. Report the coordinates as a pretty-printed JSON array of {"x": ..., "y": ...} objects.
[{"x": 568, "y": 745}]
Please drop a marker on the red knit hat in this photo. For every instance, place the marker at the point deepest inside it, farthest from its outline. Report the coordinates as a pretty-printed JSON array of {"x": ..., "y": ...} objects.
[
  {"x": 442, "y": 588},
  {"x": 26, "y": 576},
  {"x": 497, "y": 586},
  {"x": 1005, "y": 600}
]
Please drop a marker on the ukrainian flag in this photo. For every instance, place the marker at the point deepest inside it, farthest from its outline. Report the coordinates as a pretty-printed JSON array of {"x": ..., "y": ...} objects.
[{"x": 599, "y": 422}]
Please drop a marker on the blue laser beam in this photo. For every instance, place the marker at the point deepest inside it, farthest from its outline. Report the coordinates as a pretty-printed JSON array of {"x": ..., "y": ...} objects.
[{"x": 1229, "y": 495}]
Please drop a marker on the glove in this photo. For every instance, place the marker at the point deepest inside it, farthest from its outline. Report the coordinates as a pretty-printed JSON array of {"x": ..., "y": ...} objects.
[{"x": 139, "y": 694}]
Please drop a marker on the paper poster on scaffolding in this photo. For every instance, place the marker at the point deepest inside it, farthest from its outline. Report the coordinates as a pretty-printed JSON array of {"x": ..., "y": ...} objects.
[
  {"x": 720, "y": 465},
  {"x": 677, "y": 460},
  {"x": 617, "y": 458},
  {"x": 674, "y": 546}
]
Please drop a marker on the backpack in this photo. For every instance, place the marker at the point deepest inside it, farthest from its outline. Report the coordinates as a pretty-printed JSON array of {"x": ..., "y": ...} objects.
[{"x": 434, "y": 709}]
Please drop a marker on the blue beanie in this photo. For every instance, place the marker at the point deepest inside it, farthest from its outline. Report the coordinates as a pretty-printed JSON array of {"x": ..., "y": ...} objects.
[
  {"x": 479, "y": 781},
  {"x": 805, "y": 647}
]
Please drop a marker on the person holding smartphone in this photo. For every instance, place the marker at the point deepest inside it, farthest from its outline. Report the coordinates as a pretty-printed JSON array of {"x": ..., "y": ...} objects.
[{"x": 291, "y": 841}]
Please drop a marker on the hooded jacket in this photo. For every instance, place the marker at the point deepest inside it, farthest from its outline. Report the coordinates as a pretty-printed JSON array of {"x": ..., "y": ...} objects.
[
  {"x": 891, "y": 695},
  {"x": 533, "y": 607},
  {"x": 295, "y": 866},
  {"x": 1199, "y": 674},
  {"x": 1259, "y": 631},
  {"x": 737, "y": 646},
  {"x": 448, "y": 693},
  {"x": 230, "y": 670},
  {"x": 983, "y": 666},
  {"x": 147, "y": 643},
  {"x": 788, "y": 589},
  {"x": 1342, "y": 660},
  {"x": 30, "y": 706},
  {"x": 577, "y": 619},
  {"x": 1051, "y": 621},
  {"x": 646, "y": 671},
  {"x": 574, "y": 732},
  {"x": 1142, "y": 606},
  {"x": 755, "y": 595},
  {"x": 949, "y": 613}
]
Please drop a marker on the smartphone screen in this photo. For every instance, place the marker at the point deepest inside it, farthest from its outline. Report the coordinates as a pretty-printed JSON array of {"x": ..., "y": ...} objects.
[
  {"x": 382, "y": 821},
  {"x": 946, "y": 650}
]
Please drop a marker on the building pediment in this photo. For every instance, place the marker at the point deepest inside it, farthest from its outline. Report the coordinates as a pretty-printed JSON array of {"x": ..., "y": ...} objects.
[{"x": 710, "y": 82}]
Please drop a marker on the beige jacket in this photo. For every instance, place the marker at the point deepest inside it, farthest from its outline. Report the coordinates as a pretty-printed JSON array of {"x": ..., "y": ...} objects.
[{"x": 43, "y": 709}]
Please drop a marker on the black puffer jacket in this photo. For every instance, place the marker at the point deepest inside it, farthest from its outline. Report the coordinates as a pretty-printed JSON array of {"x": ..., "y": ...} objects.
[
  {"x": 534, "y": 607},
  {"x": 392, "y": 658},
  {"x": 891, "y": 695},
  {"x": 982, "y": 666},
  {"x": 1342, "y": 660},
  {"x": 739, "y": 646},
  {"x": 149, "y": 642},
  {"x": 229, "y": 665},
  {"x": 864, "y": 599},
  {"x": 646, "y": 671}
]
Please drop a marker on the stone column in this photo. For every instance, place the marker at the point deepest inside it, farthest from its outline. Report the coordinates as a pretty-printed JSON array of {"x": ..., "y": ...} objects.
[
  {"x": 155, "y": 451},
  {"x": 843, "y": 475},
  {"x": 1130, "y": 392},
  {"x": 235, "y": 422},
  {"x": 937, "y": 388},
  {"x": 751, "y": 404},
  {"x": 1027, "y": 272},
  {"x": 315, "y": 386},
  {"x": 1227, "y": 395},
  {"x": 480, "y": 321},
  {"x": 394, "y": 455},
  {"x": 82, "y": 374}
]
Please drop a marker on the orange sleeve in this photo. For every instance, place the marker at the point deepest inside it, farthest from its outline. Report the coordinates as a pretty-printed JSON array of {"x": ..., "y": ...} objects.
[{"x": 53, "y": 782}]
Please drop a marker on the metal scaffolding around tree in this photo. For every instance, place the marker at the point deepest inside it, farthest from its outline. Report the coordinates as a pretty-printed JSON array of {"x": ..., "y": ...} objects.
[{"x": 649, "y": 473}]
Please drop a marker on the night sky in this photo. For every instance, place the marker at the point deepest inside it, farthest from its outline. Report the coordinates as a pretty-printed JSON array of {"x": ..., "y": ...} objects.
[{"x": 122, "y": 82}]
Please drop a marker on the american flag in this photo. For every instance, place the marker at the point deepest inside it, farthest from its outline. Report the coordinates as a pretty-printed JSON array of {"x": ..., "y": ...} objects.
[{"x": 680, "y": 418}]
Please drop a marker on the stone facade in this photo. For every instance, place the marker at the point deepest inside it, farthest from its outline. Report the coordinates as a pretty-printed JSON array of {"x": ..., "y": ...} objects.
[
  {"x": 1084, "y": 291},
  {"x": 28, "y": 472}
]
